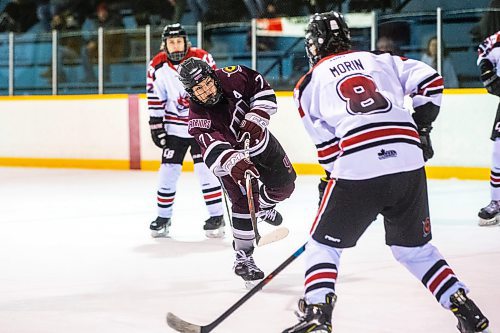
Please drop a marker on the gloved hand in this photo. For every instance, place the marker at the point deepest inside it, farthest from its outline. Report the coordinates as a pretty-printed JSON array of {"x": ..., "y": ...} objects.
[
  {"x": 494, "y": 86},
  {"x": 254, "y": 124},
  {"x": 158, "y": 133},
  {"x": 237, "y": 166},
  {"x": 425, "y": 140}
]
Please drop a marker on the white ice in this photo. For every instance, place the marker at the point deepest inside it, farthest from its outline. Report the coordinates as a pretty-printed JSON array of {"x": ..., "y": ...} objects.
[{"x": 76, "y": 256}]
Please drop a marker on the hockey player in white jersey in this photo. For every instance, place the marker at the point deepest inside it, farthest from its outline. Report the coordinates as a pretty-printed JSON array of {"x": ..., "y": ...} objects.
[
  {"x": 351, "y": 104},
  {"x": 168, "y": 104},
  {"x": 488, "y": 59}
]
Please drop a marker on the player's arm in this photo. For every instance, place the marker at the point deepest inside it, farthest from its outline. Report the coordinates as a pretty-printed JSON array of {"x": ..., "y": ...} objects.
[
  {"x": 262, "y": 104},
  {"x": 156, "y": 107},
  {"x": 219, "y": 155},
  {"x": 425, "y": 86},
  {"x": 488, "y": 55}
]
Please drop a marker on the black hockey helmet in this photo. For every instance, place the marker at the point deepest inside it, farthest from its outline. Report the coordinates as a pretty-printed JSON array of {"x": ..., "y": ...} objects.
[
  {"x": 327, "y": 33},
  {"x": 175, "y": 30},
  {"x": 191, "y": 72}
]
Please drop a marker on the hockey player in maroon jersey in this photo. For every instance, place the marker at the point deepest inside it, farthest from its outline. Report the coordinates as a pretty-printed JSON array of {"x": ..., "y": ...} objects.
[
  {"x": 351, "y": 104},
  {"x": 228, "y": 105},
  {"x": 488, "y": 59},
  {"x": 168, "y": 105}
]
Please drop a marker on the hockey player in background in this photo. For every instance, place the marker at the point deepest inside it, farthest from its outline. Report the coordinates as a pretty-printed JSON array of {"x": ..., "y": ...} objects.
[
  {"x": 168, "y": 105},
  {"x": 227, "y": 106},
  {"x": 351, "y": 104},
  {"x": 489, "y": 56}
]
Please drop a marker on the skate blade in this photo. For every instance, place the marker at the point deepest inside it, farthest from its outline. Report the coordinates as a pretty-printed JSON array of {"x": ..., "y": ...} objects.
[
  {"x": 159, "y": 233},
  {"x": 249, "y": 285},
  {"x": 217, "y": 233},
  {"x": 490, "y": 222}
]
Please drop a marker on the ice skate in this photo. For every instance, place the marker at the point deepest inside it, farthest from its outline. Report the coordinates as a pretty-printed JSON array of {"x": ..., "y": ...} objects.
[
  {"x": 470, "y": 318},
  {"x": 271, "y": 216},
  {"x": 245, "y": 267},
  {"x": 490, "y": 215},
  {"x": 214, "y": 227},
  {"x": 314, "y": 317},
  {"x": 160, "y": 227}
]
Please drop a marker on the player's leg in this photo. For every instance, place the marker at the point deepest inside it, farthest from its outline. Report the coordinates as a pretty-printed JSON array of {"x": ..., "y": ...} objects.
[
  {"x": 170, "y": 170},
  {"x": 243, "y": 234},
  {"x": 490, "y": 214},
  {"x": 338, "y": 225},
  {"x": 408, "y": 232},
  {"x": 278, "y": 180},
  {"x": 212, "y": 194}
]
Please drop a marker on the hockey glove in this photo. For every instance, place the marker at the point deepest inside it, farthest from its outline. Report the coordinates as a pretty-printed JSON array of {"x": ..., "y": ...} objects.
[
  {"x": 489, "y": 77},
  {"x": 425, "y": 141},
  {"x": 158, "y": 133},
  {"x": 238, "y": 166},
  {"x": 254, "y": 124}
]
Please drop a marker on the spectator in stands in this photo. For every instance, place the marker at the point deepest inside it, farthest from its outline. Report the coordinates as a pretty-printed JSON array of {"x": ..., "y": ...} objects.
[
  {"x": 199, "y": 8},
  {"x": 488, "y": 25},
  {"x": 18, "y": 16},
  {"x": 179, "y": 9},
  {"x": 430, "y": 58},
  {"x": 153, "y": 12},
  {"x": 69, "y": 44},
  {"x": 387, "y": 44},
  {"x": 114, "y": 43}
]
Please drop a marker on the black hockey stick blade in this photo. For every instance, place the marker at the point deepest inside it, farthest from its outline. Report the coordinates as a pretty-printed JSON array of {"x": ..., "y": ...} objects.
[{"x": 184, "y": 327}]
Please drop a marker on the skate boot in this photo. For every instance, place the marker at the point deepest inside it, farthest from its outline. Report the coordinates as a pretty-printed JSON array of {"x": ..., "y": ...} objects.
[
  {"x": 271, "y": 216},
  {"x": 470, "y": 318},
  {"x": 245, "y": 267},
  {"x": 214, "y": 227},
  {"x": 489, "y": 215},
  {"x": 314, "y": 317},
  {"x": 160, "y": 227}
]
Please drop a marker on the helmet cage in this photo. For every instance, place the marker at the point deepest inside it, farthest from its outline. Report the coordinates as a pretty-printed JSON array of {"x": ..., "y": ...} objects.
[
  {"x": 172, "y": 31},
  {"x": 326, "y": 33},
  {"x": 193, "y": 71}
]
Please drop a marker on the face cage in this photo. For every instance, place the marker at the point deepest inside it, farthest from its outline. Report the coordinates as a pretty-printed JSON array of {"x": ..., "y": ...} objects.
[
  {"x": 211, "y": 101},
  {"x": 176, "y": 56}
]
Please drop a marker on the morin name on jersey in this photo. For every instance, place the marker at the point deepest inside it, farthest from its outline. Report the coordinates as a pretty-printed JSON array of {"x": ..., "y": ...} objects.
[{"x": 346, "y": 66}]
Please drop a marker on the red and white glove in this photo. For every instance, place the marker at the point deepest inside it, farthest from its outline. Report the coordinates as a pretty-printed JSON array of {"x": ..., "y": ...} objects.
[
  {"x": 238, "y": 166},
  {"x": 254, "y": 124}
]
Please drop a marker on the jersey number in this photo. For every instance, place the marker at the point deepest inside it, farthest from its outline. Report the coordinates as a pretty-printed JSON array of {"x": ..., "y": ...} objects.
[{"x": 362, "y": 95}]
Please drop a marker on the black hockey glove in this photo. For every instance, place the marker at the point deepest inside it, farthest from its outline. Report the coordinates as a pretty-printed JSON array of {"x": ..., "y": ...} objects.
[
  {"x": 425, "y": 140},
  {"x": 489, "y": 77},
  {"x": 158, "y": 133}
]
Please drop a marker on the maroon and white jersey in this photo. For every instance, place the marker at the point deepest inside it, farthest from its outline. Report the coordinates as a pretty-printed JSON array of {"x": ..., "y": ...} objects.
[
  {"x": 166, "y": 95},
  {"x": 217, "y": 128},
  {"x": 489, "y": 49},
  {"x": 351, "y": 105}
]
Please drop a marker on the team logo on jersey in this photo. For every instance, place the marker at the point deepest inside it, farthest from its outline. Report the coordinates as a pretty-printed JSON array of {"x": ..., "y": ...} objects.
[
  {"x": 383, "y": 154},
  {"x": 231, "y": 70},
  {"x": 200, "y": 123},
  {"x": 182, "y": 102},
  {"x": 426, "y": 224}
]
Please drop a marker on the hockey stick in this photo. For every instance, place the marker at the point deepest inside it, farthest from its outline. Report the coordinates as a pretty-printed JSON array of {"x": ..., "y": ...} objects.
[
  {"x": 183, "y": 326},
  {"x": 276, "y": 234}
]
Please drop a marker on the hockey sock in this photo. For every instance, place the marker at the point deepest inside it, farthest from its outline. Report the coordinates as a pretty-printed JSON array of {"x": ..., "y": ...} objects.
[
  {"x": 322, "y": 263},
  {"x": 428, "y": 265}
]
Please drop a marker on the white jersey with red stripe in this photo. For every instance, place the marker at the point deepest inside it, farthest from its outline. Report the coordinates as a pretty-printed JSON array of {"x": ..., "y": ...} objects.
[
  {"x": 166, "y": 95},
  {"x": 351, "y": 105},
  {"x": 489, "y": 49}
]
